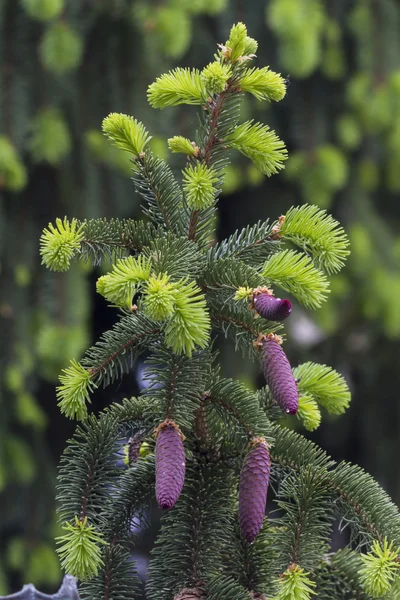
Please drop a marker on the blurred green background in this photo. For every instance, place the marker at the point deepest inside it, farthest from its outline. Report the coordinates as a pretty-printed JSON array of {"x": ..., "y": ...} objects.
[{"x": 64, "y": 65}]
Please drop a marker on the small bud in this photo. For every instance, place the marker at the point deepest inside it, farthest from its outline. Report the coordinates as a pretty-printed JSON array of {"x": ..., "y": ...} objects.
[
  {"x": 179, "y": 144},
  {"x": 199, "y": 185},
  {"x": 243, "y": 293},
  {"x": 158, "y": 297},
  {"x": 225, "y": 51},
  {"x": 253, "y": 489},
  {"x": 278, "y": 375},
  {"x": 215, "y": 76},
  {"x": 276, "y": 228},
  {"x": 170, "y": 464}
]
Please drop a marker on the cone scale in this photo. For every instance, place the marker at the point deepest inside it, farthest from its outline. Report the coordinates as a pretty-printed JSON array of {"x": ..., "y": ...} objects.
[
  {"x": 170, "y": 464},
  {"x": 278, "y": 374},
  {"x": 253, "y": 489},
  {"x": 269, "y": 307}
]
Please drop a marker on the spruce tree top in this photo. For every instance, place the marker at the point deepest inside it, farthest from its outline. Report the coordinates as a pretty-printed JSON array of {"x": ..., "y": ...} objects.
[{"x": 193, "y": 433}]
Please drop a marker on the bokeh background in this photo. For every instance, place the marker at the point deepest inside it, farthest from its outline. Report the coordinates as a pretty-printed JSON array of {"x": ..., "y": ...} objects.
[{"x": 64, "y": 65}]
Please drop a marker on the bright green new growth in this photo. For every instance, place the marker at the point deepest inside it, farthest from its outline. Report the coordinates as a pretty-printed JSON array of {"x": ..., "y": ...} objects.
[
  {"x": 73, "y": 393},
  {"x": 59, "y": 245},
  {"x": 120, "y": 285},
  {"x": 80, "y": 553},
  {"x": 198, "y": 184},
  {"x": 190, "y": 325},
  {"x": 215, "y": 76},
  {"x": 126, "y": 132},
  {"x": 238, "y": 42},
  {"x": 180, "y": 86},
  {"x": 243, "y": 293},
  {"x": 318, "y": 234},
  {"x": 260, "y": 144},
  {"x": 263, "y": 84},
  {"x": 295, "y": 585},
  {"x": 179, "y": 144},
  {"x": 324, "y": 385},
  {"x": 295, "y": 273},
  {"x": 250, "y": 47},
  {"x": 309, "y": 412},
  {"x": 159, "y": 297},
  {"x": 380, "y": 567}
]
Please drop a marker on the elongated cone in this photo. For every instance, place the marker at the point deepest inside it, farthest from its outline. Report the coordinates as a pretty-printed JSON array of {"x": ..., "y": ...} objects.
[
  {"x": 271, "y": 308},
  {"x": 278, "y": 374},
  {"x": 253, "y": 488},
  {"x": 170, "y": 464}
]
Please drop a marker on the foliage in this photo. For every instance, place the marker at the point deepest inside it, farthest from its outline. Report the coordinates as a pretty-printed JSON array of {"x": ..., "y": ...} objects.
[
  {"x": 80, "y": 553},
  {"x": 296, "y": 273},
  {"x": 327, "y": 56},
  {"x": 324, "y": 385},
  {"x": 198, "y": 183},
  {"x": 318, "y": 234},
  {"x": 126, "y": 133},
  {"x": 59, "y": 245},
  {"x": 180, "y": 86},
  {"x": 260, "y": 144},
  {"x": 380, "y": 566},
  {"x": 184, "y": 289}
]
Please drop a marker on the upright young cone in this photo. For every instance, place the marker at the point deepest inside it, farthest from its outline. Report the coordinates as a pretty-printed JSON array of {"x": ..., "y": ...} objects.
[
  {"x": 253, "y": 488},
  {"x": 278, "y": 374},
  {"x": 269, "y": 307},
  {"x": 170, "y": 464}
]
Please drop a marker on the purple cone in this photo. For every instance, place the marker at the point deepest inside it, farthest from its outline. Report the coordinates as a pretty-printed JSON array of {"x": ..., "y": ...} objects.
[
  {"x": 279, "y": 376},
  {"x": 253, "y": 488},
  {"x": 271, "y": 308},
  {"x": 170, "y": 465}
]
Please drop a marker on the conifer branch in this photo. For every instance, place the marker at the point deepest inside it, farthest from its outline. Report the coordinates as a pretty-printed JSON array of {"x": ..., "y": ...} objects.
[
  {"x": 252, "y": 245},
  {"x": 171, "y": 390},
  {"x": 303, "y": 534},
  {"x": 114, "y": 353},
  {"x": 195, "y": 534},
  {"x": 324, "y": 385},
  {"x": 227, "y": 588},
  {"x": 376, "y": 516},
  {"x": 156, "y": 184},
  {"x": 181, "y": 287},
  {"x": 338, "y": 576},
  {"x": 114, "y": 238},
  {"x": 174, "y": 255},
  {"x": 295, "y": 273},
  {"x": 238, "y": 322},
  {"x": 214, "y": 110},
  {"x": 230, "y": 273},
  {"x": 317, "y": 233}
]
